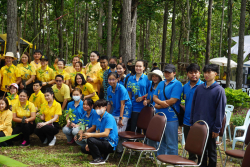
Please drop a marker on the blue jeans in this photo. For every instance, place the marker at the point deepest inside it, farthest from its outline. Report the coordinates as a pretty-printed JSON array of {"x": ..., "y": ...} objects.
[
  {"x": 169, "y": 143},
  {"x": 70, "y": 132}
]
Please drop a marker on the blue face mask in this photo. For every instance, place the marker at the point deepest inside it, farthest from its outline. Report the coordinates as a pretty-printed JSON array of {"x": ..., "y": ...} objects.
[{"x": 76, "y": 98}]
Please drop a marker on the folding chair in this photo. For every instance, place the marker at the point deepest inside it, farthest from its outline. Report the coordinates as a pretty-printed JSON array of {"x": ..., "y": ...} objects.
[
  {"x": 229, "y": 114},
  {"x": 196, "y": 143},
  {"x": 246, "y": 159},
  {"x": 155, "y": 131},
  {"x": 222, "y": 135}
]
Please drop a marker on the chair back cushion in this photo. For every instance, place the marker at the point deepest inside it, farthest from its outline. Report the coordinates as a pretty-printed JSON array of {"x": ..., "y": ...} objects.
[
  {"x": 144, "y": 117},
  {"x": 223, "y": 126},
  {"x": 196, "y": 138},
  {"x": 156, "y": 128},
  {"x": 247, "y": 139},
  {"x": 246, "y": 159}
]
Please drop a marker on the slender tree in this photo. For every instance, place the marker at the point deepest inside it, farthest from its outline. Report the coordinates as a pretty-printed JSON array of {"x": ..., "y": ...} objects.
[
  {"x": 99, "y": 30},
  {"x": 221, "y": 27},
  {"x": 209, "y": 22},
  {"x": 34, "y": 24},
  {"x": 109, "y": 34},
  {"x": 164, "y": 37},
  {"x": 173, "y": 33},
  {"x": 86, "y": 44}
]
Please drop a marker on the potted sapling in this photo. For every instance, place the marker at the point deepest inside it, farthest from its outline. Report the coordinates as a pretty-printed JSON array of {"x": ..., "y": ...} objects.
[
  {"x": 70, "y": 115},
  {"x": 83, "y": 127}
]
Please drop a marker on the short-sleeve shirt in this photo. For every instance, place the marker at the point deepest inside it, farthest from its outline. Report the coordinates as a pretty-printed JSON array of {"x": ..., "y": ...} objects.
[
  {"x": 13, "y": 101},
  {"x": 9, "y": 75},
  {"x": 78, "y": 111},
  {"x": 73, "y": 76},
  {"x": 45, "y": 75},
  {"x": 172, "y": 90},
  {"x": 92, "y": 70},
  {"x": 50, "y": 112},
  {"x": 108, "y": 122},
  {"x": 88, "y": 89},
  {"x": 63, "y": 73},
  {"x": 26, "y": 71},
  {"x": 62, "y": 93},
  {"x": 91, "y": 119},
  {"x": 138, "y": 88},
  {"x": 6, "y": 122},
  {"x": 115, "y": 98},
  {"x": 35, "y": 65},
  {"x": 23, "y": 111},
  {"x": 38, "y": 99},
  {"x": 188, "y": 93}
]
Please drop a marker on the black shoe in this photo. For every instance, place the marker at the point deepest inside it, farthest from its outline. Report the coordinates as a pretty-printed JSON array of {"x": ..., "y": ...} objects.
[{"x": 97, "y": 161}]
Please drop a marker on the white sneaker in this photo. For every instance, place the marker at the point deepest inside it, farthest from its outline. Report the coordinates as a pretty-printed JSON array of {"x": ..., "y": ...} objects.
[
  {"x": 45, "y": 141},
  {"x": 53, "y": 142}
]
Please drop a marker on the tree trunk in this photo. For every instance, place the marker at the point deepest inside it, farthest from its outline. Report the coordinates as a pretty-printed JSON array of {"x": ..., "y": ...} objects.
[
  {"x": 18, "y": 32},
  {"x": 77, "y": 30},
  {"x": 109, "y": 33},
  {"x": 239, "y": 75},
  {"x": 142, "y": 36},
  {"x": 74, "y": 29},
  {"x": 147, "y": 39},
  {"x": 67, "y": 47},
  {"x": 40, "y": 25},
  {"x": 221, "y": 27},
  {"x": 48, "y": 31},
  {"x": 133, "y": 34},
  {"x": 86, "y": 35},
  {"x": 99, "y": 30},
  {"x": 61, "y": 31},
  {"x": 188, "y": 30},
  {"x": 25, "y": 19},
  {"x": 11, "y": 26},
  {"x": 34, "y": 25},
  {"x": 164, "y": 38},
  {"x": 230, "y": 15},
  {"x": 173, "y": 34},
  {"x": 209, "y": 31}
]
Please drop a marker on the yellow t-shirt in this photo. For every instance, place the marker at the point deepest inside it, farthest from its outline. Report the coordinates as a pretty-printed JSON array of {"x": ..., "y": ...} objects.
[
  {"x": 224, "y": 77},
  {"x": 92, "y": 70},
  {"x": 61, "y": 94},
  {"x": 9, "y": 76},
  {"x": 70, "y": 69},
  {"x": 35, "y": 65},
  {"x": 55, "y": 66},
  {"x": 45, "y": 75},
  {"x": 23, "y": 111},
  {"x": 6, "y": 122},
  {"x": 14, "y": 101},
  {"x": 50, "y": 112},
  {"x": 38, "y": 99},
  {"x": 88, "y": 89},
  {"x": 72, "y": 77},
  {"x": 27, "y": 71},
  {"x": 63, "y": 73},
  {"x": 100, "y": 75}
]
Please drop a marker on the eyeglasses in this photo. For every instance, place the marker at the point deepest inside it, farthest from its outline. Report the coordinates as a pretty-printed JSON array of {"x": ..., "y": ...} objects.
[
  {"x": 111, "y": 80},
  {"x": 58, "y": 80}
]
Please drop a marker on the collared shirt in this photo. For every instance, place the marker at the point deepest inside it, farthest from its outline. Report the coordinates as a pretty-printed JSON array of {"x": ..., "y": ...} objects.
[
  {"x": 91, "y": 119},
  {"x": 26, "y": 71},
  {"x": 88, "y": 89},
  {"x": 9, "y": 75},
  {"x": 55, "y": 66},
  {"x": 45, "y": 75},
  {"x": 23, "y": 111},
  {"x": 100, "y": 75},
  {"x": 63, "y": 73},
  {"x": 6, "y": 122},
  {"x": 73, "y": 76},
  {"x": 172, "y": 90},
  {"x": 35, "y": 65},
  {"x": 38, "y": 99},
  {"x": 92, "y": 70},
  {"x": 108, "y": 122},
  {"x": 151, "y": 94},
  {"x": 13, "y": 101},
  {"x": 138, "y": 89},
  {"x": 78, "y": 111},
  {"x": 188, "y": 93},
  {"x": 115, "y": 98},
  {"x": 62, "y": 93},
  {"x": 50, "y": 112}
]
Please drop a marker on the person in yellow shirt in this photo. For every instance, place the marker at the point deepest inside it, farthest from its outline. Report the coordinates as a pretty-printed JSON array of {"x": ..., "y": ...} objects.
[
  {"x": 28, "y": 73},
  {"x": 55, "y": 64},
  {"x": 24, "y": 114},
  {"x": 37, "y": 98},
  {"x": 5, "y": 120},
  {"x": 61, "y": 91},
  {"x": 104, "y": 64},
  {"x": 50, "y": 111},
  {"x": 36, "y": 62},
  {"x": 71, "y": 69},
  {"x": 13, "y": 98},
  {"x": 61, "y": 64},
  {"x": 78, "y": 70},
  {"x": 92, "y": 69},
  {"x": 87, "y": 89},
  {"x": 224, "y": 76},
  {"x": 45, "y": 74},
  {"x": 9, "y": 73}
]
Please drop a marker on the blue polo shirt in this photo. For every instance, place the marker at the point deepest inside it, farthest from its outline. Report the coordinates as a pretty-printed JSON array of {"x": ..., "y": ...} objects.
[
  {"x": 172, "y": 90},
  {"x": 138, "y": 88},
  {"x": 151, "y": 94},
  {"x": 188, "y": 94},
  {"x": 91, "y": 119},
  {"x": 108, "y": 122},
  {"x": 78, "y": 111},
  {"x": 115, "y": 99}
]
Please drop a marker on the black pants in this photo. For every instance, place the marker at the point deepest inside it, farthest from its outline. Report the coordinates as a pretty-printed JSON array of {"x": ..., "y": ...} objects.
[
  {"x": 191, "y": 155},
  {"x": 134, "y": 118},
  {"x": 26, "y": 129},
  {"x": 210, "y": 152},
  {"x": 97, "y": 147},
  {"x": 47, "y": 131},
  {"x": 3, "y": 144}
]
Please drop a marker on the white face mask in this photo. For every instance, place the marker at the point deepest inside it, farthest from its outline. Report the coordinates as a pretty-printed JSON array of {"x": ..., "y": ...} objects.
[
  {"x": 76, "y": 98},
  {"x": 99, "y": 112}
]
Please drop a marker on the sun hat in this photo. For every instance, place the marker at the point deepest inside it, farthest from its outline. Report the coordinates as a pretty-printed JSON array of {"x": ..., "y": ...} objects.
[
  {"x": 155, "y": 72},
  {"x": 10, "y": 54},
  {"x": 15, "y": 85}
]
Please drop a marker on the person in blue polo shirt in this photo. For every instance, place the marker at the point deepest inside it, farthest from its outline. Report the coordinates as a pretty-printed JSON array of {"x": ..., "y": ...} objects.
[
  {"x": 137, "y": 87},
  {"x": 90, "y": 118},
  {"x": 118, "y": 99},
  {"x": 172, "y": 89},
  {"x": 105, "y": 140},
  {"x": 71, "y": 128},
  {"x": 193, "y": 73}
]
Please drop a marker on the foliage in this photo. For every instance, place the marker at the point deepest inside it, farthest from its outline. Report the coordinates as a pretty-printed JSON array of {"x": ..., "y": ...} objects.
[
  {"x": 239, "y": 116},
  {"x": 83, "y": 124},
  {"x": 70, "y": 115},
  {"x": 62, "y": 119},
  {"x": 237, "y": 98}
]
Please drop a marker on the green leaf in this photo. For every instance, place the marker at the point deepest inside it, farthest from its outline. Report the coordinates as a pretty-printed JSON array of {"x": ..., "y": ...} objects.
[
  {"x": 10, "y": 162},
  {"x": 2, "y": 139}
]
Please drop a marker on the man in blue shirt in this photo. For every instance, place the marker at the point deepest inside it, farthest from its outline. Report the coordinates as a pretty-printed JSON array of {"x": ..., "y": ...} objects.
[
  {"x": 105, "y": 140},
  {"x": 193, "y": 73},
  {"x": 172, "y": 89}
]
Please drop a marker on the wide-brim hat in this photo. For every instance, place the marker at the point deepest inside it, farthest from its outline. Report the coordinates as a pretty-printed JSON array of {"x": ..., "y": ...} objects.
[
  {"x": 155, "y": 72},
  {"x": 9, "y": 54}
]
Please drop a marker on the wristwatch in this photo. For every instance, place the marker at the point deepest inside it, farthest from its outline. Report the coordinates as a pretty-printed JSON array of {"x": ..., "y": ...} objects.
[{"x": 121, "y": 118}]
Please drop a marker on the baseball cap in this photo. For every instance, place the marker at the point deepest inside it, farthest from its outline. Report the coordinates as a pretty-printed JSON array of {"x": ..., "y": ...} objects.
[{"x": 169, "y": 68}]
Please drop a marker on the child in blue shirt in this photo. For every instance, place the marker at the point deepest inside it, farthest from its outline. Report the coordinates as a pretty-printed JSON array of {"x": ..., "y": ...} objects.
[{"x": 105, "y": 140}]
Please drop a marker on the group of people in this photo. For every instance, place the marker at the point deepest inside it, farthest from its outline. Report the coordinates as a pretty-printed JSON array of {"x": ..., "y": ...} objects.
[{"x": 104, "y": 101}]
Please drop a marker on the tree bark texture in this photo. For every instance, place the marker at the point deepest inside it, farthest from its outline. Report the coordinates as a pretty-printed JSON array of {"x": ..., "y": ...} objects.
[
  {"x": 11, "y": 26},
  {"x": 221, "y": 26},
  {"x": 25, "y": 19},
  {"x": 164, "y": 38},
  {"x": 133, "y": 34},
  {"x": 209, "y": 32},
  {"x": 188, "y": 30},
  {"x": 34, "y": 25},
  {"x": 173, "y": 33},
  {"x": 99, "y": 30},
  {"x": 109, "y": 34},
  {"x": 86, "y": 31}
]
